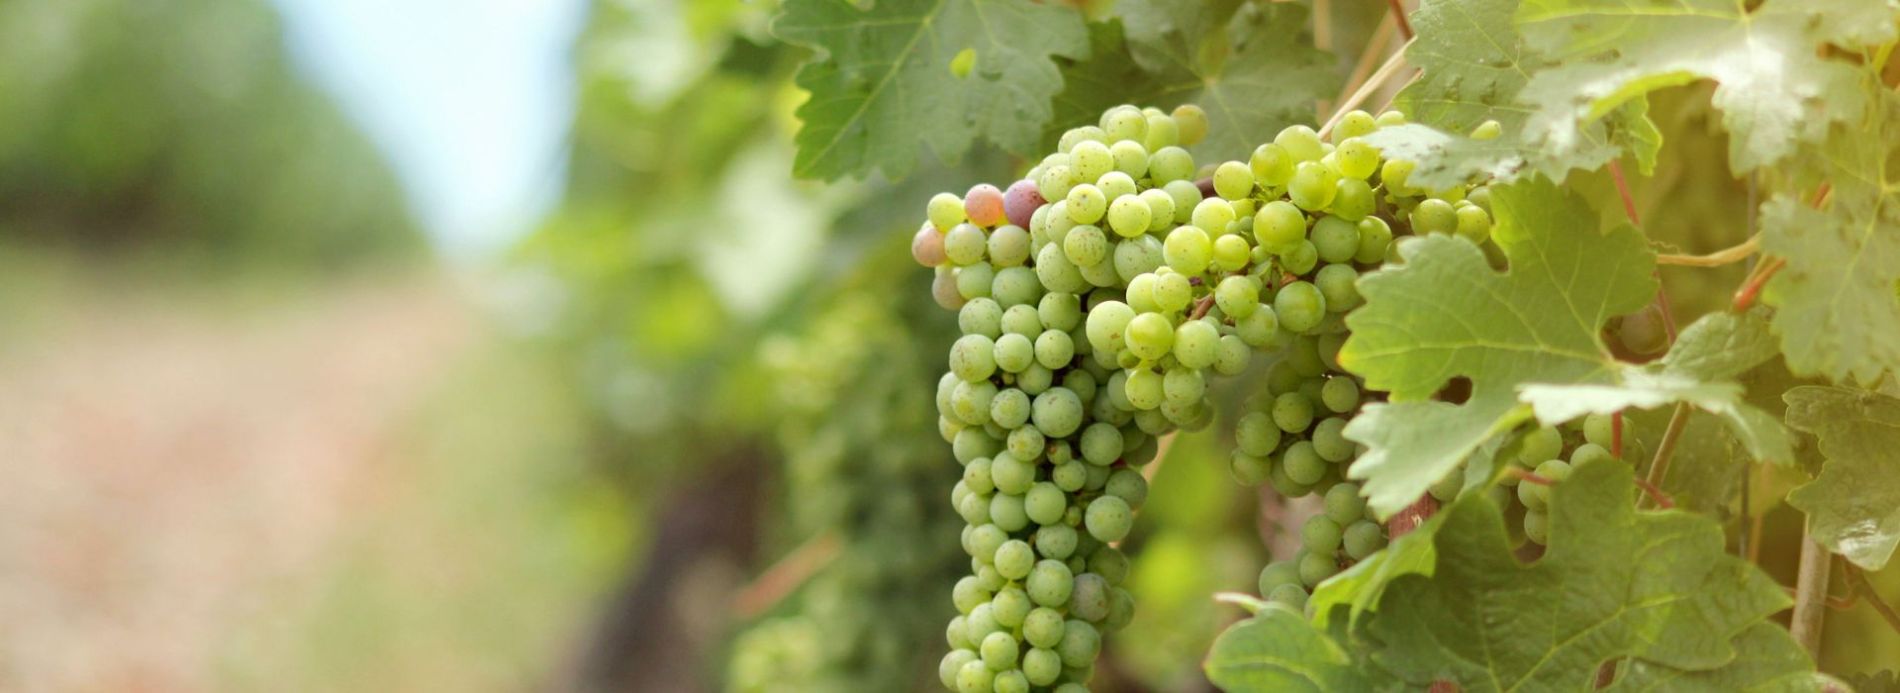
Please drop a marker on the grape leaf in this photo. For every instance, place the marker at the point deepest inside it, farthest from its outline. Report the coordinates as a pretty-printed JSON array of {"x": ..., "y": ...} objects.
[
  {"x": 1697, "y": 370},
  {"x": 1841, "y": 286},
  {"x": 882, "y": 79},
  {"x": 1279, "y": 651},
  {"x": 1650, "y": 586},
  {"x": 1853, "y": 507},
  {"x": 1445, "y": 313},
  {"x": 1167, "y": 36},
  {"x": 1360, "y": 586},
  {"x": 1267, "y": 81},
  {"x": 1773, "y": 88},
  {"x": 1767, "y": 658},
  {"x": 1473, "y": 66}
]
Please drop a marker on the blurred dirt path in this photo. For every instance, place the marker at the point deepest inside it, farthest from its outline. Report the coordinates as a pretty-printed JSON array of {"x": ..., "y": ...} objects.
[{"x": 168, "y": 464}]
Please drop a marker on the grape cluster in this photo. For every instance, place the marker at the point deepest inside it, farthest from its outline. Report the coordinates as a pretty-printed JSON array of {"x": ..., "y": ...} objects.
[
  {"x": 1094, "y": 296},
  {"x": 1548, "y": 454}
]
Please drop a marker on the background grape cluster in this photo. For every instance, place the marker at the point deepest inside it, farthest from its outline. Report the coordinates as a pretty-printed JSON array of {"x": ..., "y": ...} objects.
[{"x": 1094, "y": 296}]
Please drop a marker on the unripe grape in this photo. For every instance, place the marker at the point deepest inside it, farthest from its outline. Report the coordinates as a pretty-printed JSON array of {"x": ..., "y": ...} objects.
[
  {"x": 1233, "y": 180},
  {"x": 1116, "y": 184},
  {"x": 1169, "y": 164},
  {"x": 983, "y": 205},
  {"x": 1162, "y": 132},
  {"x": 1280, "y": 226},
  {"x": 1192, "y": 123},
  {"x": 1473, "y": 224},
  {"x": 965, "y": 244},
  {"x": 1129, "y": 216},
  {"x": 945, "y": 211},
  {"x": 1313, "y": 186},
  {"x": 1355, "y": 123},
  {"x": 1300, "y": 306},
  {"x": 1150, "y": 335},
  {"x": 1300, "y": 142}
]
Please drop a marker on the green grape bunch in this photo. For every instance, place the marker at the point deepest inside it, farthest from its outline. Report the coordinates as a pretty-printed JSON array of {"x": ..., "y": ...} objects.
[{"x": 1094, "y": 296}]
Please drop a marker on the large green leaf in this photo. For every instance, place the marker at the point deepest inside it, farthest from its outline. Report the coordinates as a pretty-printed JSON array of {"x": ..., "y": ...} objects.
[
  {"x": 1766, "y": 659},
  {"x": 1853, "y": 507},
  {"x": 1445, "y": 313},
  {"x": 1774, "y": 89},
  {"x": 1653, "y": 587},
  {"x": 1266, "y": 78},
  {"x": 882, "y": 80},
  {"x": 1473, "y": 66},
  {"x": 1359, "y": 587},
  {"x": 1841, "y": 287},
  {"x": 1698, "y": 370}
]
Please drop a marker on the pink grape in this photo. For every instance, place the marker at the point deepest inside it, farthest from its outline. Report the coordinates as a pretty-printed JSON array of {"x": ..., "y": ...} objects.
[
  {"x": 1021, "y": 201},
  {"x": 927, "y": 246},
  {"x": 984, "y": 205}
]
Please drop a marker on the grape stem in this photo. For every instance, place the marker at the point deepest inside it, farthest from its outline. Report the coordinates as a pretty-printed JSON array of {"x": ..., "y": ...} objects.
[
  {"x": 1659, "y": 465},
  {"x": 1857, "y": 581},
  {"x": 1810, "y": 594},
  {"x": 1725, "y": 256},
  {"x": 1531, "y": 477},
  {"x": 785, "y": 576},
  {"x": 1398, "y": 12}
]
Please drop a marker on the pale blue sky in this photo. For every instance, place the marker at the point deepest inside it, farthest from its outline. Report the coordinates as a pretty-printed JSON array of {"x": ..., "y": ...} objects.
[{"x": 469, "y": 99}]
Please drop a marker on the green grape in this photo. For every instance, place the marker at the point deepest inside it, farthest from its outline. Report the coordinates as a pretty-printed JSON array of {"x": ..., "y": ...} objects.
[
  {"x": 1316, "y": 567},
  {"x": 1589, "y": 452},
  {"x": 999, "y": 651},
  {"x": 1320, "y": 535},
  {"x": 981, "y": 317},
  {"x": 1303, "y": 355},
  {"x": 1279, "y": 226},
  {"x": 1087, "y": 204},
  {"x": 1339, "y": 395},
  {"x": 965, "y": 244},
  {"x": 1049, "y": 584},
  {"x": 1259, "y": 327},
  {"x": 953, "y": 663},
  {"x": 1013, "y": 353},
  {"x": 1237, "y": 296},
  {"x": 1302, "y": 259},
  {"x": 1473, "y": 224},
  {"x": 1014, "y": 286},
  {"x": 1191, "y": 122},
  {"x": 1598, "y": 429},
  {"x": 1343, "y": 504},
  {"x": 1363, "y": 538},
  {"x": 1089, "y": 600},
  {"x": 1374, "y": 237},
  {"x": 1106, "y": 325},
  {"x": 1025, "y": 443},
  {"x": 973, "y": 357},
  {"x": 1141, "y": 293},
  {"x": 1487, "y": 130},
  {"x": 1313, "y": 186},
  {"x": 1182, "y": 387},
  {"x": 1162, "y": 131},
  {"x": 1353, "y": 200},
  {"x": 1160, "y": 209},
  {"x": 1012, "y": 681},
  {"x": 1188, "y": 250},
  {"x": 1116, "y": 184},
  {"x": 1290, "y": 596},
  {"x": 1010, "y": 606},
  {"x": 1129, "y": 216},
  {"x": 976, "y": 476},
  {"x": 1125, "y": 124},
  {"x": 1356, "y": 159},
  {"x": 1144, "y": 388},
  {"x": 1279, "y": 573},
  {"x": 1541, "y": 443},
  {"x": 1331, "y": 443},
  {"x": 945, "y": 210},
  {"x": 1213, "y": 214},
  {"x": 1009, "y": 246},
  {"x": 975, "y": 677},
  {"x": 1336, "y": 284},
  {"x": 1137, "y": 256},
  {"x": 1150, "y": 336},
  {"x": 1537, "y": 526},
  {"x": 974, "y": 509},
  {"x": 1447, "y": 487},
  {"x": 1172, "y": 292},
  {"x": 1069, "y": 476},
  {"x": 1045, "y": 504},
  {"x": 1054, "y": 349},
  {"x": 1395, "y": 174},
  {"x": 1433, "y": 215},
  {"x": 1057, "y": 412},
  {"x": 1232, "y": 356},
  {"x": 1643, "y": 331},
  {"x": 1101, "y": 444},
  {"x": 1271, "y": 165},
  {"x": 1185, "y": 195},
  {"x": 1300, "y": 142},
  {"x": 1076, "y": 136},
  {"x": 1060, "y": 311},
  {"x": 1299, "y": 306},
  {"x": 1056, "y": 272},
  {"x": 1131, "y": 158},
  {"x": 1336, "y": 239},
  {"x": 1303, "y": 465},
  {"x": 1035, "y": 380},
  {"x": 1043, "y": 626},
  {"x": 1056, "y": 540},
  {"x": 1233, "y": 180},
  {"x": 1169, "y": 164},
  {"x": 968, "y": 594},
  {"x": 1284, "y": 484},
  {"x": 1250, "y": 470},
  {"x": 1010, "y": 474},
  {"x": 1108, "y": 518},
  {"x": 1231, "y": 253},
  {"x": 1390, "y": 118},
  {"x": 1009, "y": 408},
  {"x": 1085, "y": 246},
  {"x": 1355, "y": 123},
  {"x": 1090, "y": 159},
  {"x": 1041, "y": 667},
  {"x": 1257, "y": 434},
  {"x": 1196, "y": 343},
  {"x": 1021, "y": 319}
]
